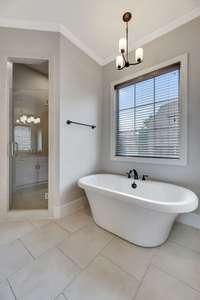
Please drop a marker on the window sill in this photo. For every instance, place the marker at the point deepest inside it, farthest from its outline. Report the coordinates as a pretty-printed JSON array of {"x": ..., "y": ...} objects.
[{"x": 160, "y": 161}]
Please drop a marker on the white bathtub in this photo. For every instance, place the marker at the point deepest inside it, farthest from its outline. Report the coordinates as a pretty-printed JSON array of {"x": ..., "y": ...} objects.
[{"x": 143, "y": 216}]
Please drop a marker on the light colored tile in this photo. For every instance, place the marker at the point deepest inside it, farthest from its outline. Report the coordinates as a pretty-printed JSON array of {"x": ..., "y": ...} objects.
[
  {"x": 5, "y": 291},
  {"x": 102, "y": 280},
  {"x": 85, "y": 244},
  {"x": 39, "y": 223},
  {"x": 157, "y": 285},
  {"x": 13, "y": 257},
  {"x": 180, "y": 262},
  {"x": 10, "y": 231},
  {"x": 129, "y": 257},
  {"x": 45, "y": 278},
  {"x": 186, "y": 236},
  {"x": 44, "y": 238},
  {"x": 76, "y": 221}
]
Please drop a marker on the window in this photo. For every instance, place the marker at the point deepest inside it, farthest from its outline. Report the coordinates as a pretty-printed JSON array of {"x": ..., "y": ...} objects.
[
  {"x": 23, "y": 138},
  {"x": 148, "y": 116}
]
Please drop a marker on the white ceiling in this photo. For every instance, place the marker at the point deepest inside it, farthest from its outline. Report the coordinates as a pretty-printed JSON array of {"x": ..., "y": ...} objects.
[{"x": 95, "y": 25}]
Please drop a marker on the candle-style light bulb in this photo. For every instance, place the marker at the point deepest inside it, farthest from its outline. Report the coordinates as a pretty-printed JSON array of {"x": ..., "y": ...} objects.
[
  {"x": 119, "y": 62},
  {"x": 122, "y": 45},
  {"x": 139, "y": 55}
]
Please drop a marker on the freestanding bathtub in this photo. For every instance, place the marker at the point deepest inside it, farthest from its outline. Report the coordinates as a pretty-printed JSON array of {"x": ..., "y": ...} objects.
[{"x": 143, "y": 216}]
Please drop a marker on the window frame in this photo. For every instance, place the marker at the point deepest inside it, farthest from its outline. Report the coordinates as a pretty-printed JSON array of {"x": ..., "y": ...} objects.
[{"x": 182, "y": 161}]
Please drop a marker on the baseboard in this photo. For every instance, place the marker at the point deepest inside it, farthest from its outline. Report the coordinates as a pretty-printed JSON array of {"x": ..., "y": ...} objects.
[
  {"x": 69, "y": 208},
  {"x": 191, "y": 219}
]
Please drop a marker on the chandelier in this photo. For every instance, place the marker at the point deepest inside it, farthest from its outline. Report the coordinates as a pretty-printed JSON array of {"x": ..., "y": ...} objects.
[
  {"x": 122, "y": 61},
  {"x": 24, "y": 119}
]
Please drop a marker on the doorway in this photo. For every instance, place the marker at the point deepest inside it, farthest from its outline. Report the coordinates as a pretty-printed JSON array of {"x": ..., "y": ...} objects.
[{"x": 29, "y": 135}]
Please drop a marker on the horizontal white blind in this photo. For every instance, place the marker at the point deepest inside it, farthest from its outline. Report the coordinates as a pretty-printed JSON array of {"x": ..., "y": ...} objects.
[
  {"x": 148, "y": 115},
  {"x": 23, "y": 138}
]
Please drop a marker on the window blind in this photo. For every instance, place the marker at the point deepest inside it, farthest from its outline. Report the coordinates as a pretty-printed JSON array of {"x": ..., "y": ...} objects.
[
  {"x": 23, "y": 138},
  {"x": 148, "y": 115}
]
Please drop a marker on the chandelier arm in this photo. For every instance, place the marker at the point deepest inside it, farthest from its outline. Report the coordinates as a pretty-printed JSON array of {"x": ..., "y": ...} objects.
[
  {"x": 121, "y": 68},
  {"x": 136, "y": 63},
  {"x": 124, "y": 57}
]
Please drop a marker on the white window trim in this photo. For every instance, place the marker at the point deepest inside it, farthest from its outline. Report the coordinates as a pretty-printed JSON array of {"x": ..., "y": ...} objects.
[{"x": 182, "y": 161}]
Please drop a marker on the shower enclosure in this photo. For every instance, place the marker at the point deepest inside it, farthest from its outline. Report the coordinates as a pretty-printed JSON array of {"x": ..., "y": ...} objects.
[{"x": 29, "y": 86}]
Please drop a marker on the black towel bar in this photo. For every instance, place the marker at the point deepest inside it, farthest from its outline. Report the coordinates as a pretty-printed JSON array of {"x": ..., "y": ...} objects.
[{"x": 82, "y": 124}]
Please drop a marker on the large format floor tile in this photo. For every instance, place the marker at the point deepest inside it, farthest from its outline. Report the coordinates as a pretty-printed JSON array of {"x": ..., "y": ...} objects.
[
  {"x": 102, "y": 280},
  {"x": 85, "y": 244},
  {"x": 45, "y": 278},
  {"x": 13, "y": 257},
  {"x": 129, "y": 257},
  {"x": 186, "y": 236},
  {"x": 179, "y": 262},
  {"x": 44, "y": 238},
  {"x": 157, "y": 285},
  {"x": 5, "y": 291},
  {"x": 10, "y": 231},
  {"x": 76, "y": 221}
]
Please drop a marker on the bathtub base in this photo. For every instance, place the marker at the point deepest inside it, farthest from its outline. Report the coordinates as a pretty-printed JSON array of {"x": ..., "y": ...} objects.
[{"x": 140, "y": 226}]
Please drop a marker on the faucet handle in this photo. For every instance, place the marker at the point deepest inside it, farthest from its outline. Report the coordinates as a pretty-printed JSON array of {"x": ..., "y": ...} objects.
[
  {"x": 129, "y": 173},
  {"x": 144, "y": 177}
]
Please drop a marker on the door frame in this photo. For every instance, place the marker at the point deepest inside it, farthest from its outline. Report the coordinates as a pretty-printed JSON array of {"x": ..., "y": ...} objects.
[{"x": 5, "y": 66}]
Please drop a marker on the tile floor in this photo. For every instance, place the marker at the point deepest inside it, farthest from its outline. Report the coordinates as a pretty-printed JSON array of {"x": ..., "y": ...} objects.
[
  {"x": 30, "y": 197},
  {"x": 74, "y": 259}
]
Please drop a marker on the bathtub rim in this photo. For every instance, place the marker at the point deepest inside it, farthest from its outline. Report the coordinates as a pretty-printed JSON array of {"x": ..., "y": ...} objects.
[{"x": 176, "y": 207}]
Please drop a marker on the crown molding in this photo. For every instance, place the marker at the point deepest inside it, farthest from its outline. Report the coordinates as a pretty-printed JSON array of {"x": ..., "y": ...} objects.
[
  {"x": 72, "y": 38},
  {"x": 29, "y": 25},
  {"x": 161, "y": 31},
  {"x": 60, "y": 28},
  {"x": 50, "y": 27}
]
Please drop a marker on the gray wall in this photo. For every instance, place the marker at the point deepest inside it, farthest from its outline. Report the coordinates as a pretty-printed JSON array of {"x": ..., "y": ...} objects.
[
  {"x": 80, "y": 100},
  {"x": 78, "y": 83},
  {"x": 181, "y": 40}
]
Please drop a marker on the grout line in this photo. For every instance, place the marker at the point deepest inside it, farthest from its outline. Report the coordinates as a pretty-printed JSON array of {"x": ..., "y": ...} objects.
[
  {"x": 27, "y": 249},
  {"x": 141, "y": 282},
  {"x": 119, "y": 267},
  {"x": 146, "y": 271},
  {"x": 174, "y": 277},
  {"x": 64, "y": 229},
  {"x": 11, "y": 289},
  {"x": 71, "y": 259},
  {"x": 47, "y": 250},
  {"x": 144, "y": 275},
  {"x": 82, "y": 269},
  {"x": 61, "y": 227}
]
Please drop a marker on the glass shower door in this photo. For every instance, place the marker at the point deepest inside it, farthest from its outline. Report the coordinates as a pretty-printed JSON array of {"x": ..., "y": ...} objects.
[{"x": 29, "y": 136}]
